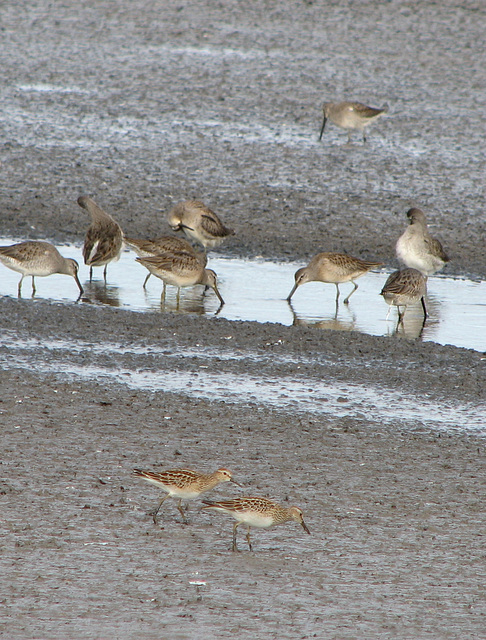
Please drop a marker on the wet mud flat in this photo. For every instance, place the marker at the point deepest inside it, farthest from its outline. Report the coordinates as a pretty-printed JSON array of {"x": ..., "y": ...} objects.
[
  {"x": 146, "y": 104},
  {"x": 141, "y": 105},
  {"x": 395, "y": 507}
]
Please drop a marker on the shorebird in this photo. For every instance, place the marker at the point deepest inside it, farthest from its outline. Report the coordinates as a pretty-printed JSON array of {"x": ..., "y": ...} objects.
[
  {"x": 417, "y": 249},
  {"x": 145, "y": 248},
  {"x": 104, "y": 238},
  {"x": 403, "y": 288},
  {"x": 349, "y": 116},
  {"x": 198, "y": 223},
  {"x": 184, "y": 484},
  {"x": 333, "y": 268},
  {"x": 256, "y": 512},
  {"x": 181, "y": 269},
  {"x": 38, "y": 258}
]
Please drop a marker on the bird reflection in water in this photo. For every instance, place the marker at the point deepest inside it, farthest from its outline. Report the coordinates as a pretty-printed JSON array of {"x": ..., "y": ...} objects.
[
  {"x": 99, "y": 291},
  {"x": 189, "y": 301},
  {"x": 413, "y": 325},
  {"x": 331, "y": 322}
]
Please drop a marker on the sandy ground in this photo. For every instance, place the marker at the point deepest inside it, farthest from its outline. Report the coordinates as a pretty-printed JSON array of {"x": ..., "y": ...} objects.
[{"x": 141, "y": 105}]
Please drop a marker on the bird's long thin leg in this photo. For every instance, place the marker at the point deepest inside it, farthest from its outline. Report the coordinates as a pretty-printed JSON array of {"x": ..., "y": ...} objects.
[
  {"x": 401, "y": 314},
  {"x": 336, "y": 310},
  {"x": 146, "y": 279},
  {"x": 104, "y": 272},
  {"x": 235, "y": 526},
  {"x": 388, "y": 312},
  {"x": 346, "y": 300},
  {"x": 162, "y": 295},
  {"x": 422, "y": 300},
  {"x": 181, "y": 511},
  {"x": 178, "y": 299},
  {"x": 33, "y": 286},
  {"x": 323, "y": 127},
  {"x": 90, "y": 274},
  {"x": 337, "y": 291},
  {"x": 19, "y": 290},
  {"x": 248, "y": 538},
  {"x": 154, "y": 513}
]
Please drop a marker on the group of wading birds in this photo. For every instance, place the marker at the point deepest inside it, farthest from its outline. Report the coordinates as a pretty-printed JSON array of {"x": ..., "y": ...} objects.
[{"x": 176, "y": 262}]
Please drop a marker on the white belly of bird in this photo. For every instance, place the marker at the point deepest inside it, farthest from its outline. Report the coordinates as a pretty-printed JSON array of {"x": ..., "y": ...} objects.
[
  {"x": 254, "y": 519},
  {"x": 28, "y": 269},
  {"x": 179, "y": 280},
  {"x": 415, "y": 254}
]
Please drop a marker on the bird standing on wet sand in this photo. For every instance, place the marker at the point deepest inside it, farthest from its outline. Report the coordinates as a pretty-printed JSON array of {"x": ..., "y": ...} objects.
[
  {"x": 184, "y": 484},
  {"x": 181, "y": 269},
  {"x": 333, "y": 268},
  {"x": 403, "y": 288},
  {"x": 104, "y": 238},
  {"x": 417, "y": 249},
  {"x": 145, "y": 248},
  {"x": 350, "y": 116},
  {"x": 256, "y": 512},
  {"x": 198, "y": 223},
  {"x": 38, "y": 258}
]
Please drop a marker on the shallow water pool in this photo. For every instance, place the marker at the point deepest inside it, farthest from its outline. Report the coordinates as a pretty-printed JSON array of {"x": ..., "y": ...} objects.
[{"x": 256, "y": 290}]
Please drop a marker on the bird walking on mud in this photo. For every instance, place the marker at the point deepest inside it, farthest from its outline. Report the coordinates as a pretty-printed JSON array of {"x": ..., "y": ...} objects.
[
  {"x": 333, "y": 268},
  {"x": 181, "y": 269},
  {"x": 350, "y": 116},
  {"x": 38, "y": 258},
  {"x": 417, "y": 249},
  {"x": 104, "y": 238},
  {"x": 403, "y": 288},
  {"x": 163, "y": 244},
  {"x": 256, "y": 512},
  {"x": 184, "y": 484},
  {"x": 198, "y": 223}
]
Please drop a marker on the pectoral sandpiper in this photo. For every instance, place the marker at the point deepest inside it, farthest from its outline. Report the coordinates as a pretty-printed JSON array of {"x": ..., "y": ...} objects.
[
  {"x": 417, "y": 249},
  {"x": 199, "y": 223},
  {"x": 350, "y": 116},
  {"x": 38, "y": 258},
  {"x": 184, "y": 484},
  {"x": 256, "y": 512},
  {"x": 104, "y": 238},
  {"x": 333, "y": 268}
]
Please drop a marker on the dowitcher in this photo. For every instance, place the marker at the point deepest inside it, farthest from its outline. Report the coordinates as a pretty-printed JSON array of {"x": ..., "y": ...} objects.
[
  {"x": 181, "y": 269},
  {"x": 198, "y": 223},
  {"x": 256, "y": 512},
  {"x": 38, "y": 258},
  {"x": 104, "y": 238},
  {"x": 184, "y": 484},
  {"x": 349, "y": 116},
  {"x": 403, "y": 288},
  {"x": 417, "y": 249},
  {"x": 333, "y": 268},
  {"x": 145, "y": 248}
]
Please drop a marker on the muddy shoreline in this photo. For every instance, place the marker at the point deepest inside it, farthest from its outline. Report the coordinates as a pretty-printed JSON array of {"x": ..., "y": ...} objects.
[
  {"x": 141, "y": 105},
  {"x": 395, "y": 506}
]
